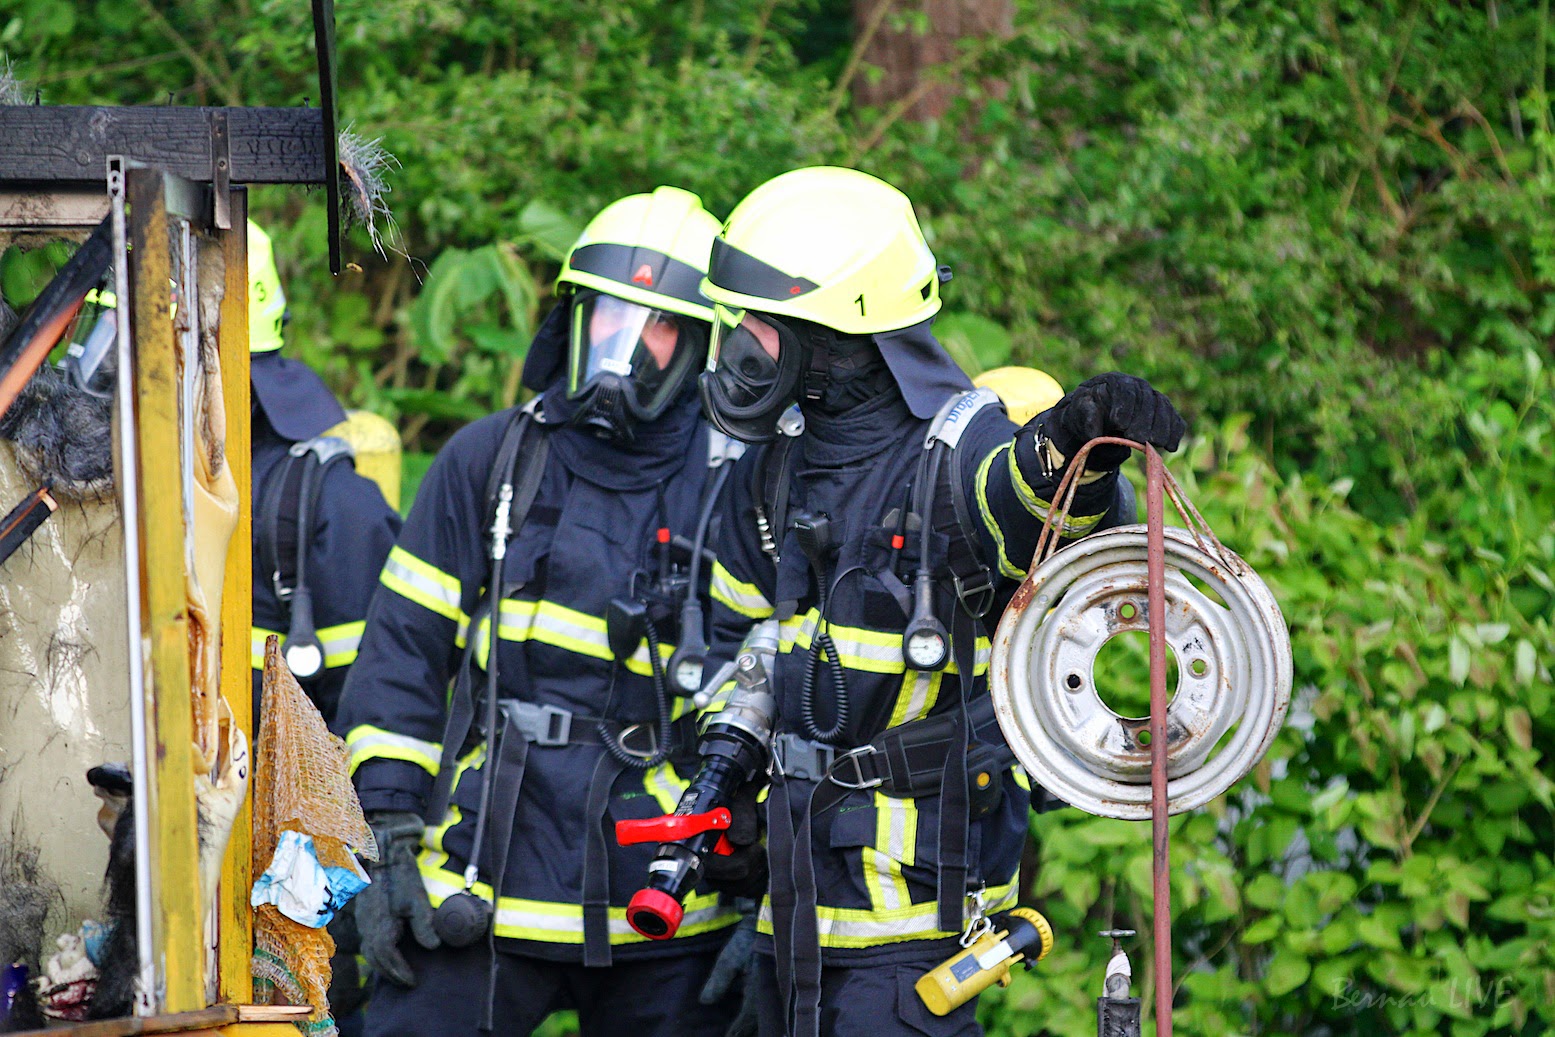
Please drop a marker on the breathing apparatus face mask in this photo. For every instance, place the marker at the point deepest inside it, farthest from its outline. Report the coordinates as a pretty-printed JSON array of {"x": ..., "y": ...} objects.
[
  {"x": 627, "y": 362},
  {"x": 753, "y": 374}
]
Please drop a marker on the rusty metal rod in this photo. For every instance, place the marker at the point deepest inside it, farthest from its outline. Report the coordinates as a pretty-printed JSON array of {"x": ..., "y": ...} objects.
[{"x": 1155, "y": 571}]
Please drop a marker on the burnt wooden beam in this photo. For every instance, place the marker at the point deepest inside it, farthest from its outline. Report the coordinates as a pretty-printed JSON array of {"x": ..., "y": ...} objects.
[
  {"x": 324, "y": 47},
  {"x": 61, "y": 144}
]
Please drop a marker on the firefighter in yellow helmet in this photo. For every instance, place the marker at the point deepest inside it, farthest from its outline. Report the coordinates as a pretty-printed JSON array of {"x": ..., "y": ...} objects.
[
  {"x": 490, "y": 758},
  {"x": 882, "y": 525},
  {"x": 321, "y": 531}
]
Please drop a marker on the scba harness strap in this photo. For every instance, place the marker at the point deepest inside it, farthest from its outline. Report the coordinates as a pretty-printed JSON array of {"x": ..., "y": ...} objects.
[
  {"x": 921, "y": 758},
  {"x": 513, "y": 727},
  {"x": 290, "y": 496}
]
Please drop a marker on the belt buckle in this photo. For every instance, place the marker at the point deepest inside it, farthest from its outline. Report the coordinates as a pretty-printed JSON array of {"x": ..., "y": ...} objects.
[
  {"x": 642, "y": 754},
  {"x": 555, "y": 726},
  {"x": 800, "y": 758},
  {"x": 853, "y": 756}
]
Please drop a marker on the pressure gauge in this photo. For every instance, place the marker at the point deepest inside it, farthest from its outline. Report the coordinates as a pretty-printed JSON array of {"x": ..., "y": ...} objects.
[
  {"x": 687, "y": 674},
  {"x": 925, "y": 646}
]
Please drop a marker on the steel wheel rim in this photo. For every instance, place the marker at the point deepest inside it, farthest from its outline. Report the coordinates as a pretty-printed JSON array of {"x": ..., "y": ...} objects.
[{"x": 1078, "y": 748}]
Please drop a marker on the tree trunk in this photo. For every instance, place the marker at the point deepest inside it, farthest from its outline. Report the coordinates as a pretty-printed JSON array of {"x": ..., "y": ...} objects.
[{"x": 907, "y": 59}]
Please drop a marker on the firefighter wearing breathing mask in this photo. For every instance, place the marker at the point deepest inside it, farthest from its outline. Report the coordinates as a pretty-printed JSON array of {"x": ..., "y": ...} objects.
[
  {"x": 492, "y": 758},
  {"x": 884, "y": 523}
]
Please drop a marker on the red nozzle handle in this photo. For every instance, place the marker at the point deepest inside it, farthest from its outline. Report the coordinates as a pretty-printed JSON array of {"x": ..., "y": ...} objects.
[{"x": 671, "y": 828}]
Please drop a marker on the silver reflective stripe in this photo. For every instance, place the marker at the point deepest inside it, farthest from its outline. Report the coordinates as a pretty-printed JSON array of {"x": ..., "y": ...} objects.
[
  {"x": 256, "y": 645},
  {"x": 550, "y": 922},
  {"x": 341, "y": 642},
  {"x": 854, "y": 927},
  {"x": 562, "y": 627},
  {"x": 875, "y": 651},
  {"x": 892, "y": 850},
  {"x": 848, "y": 927},
  {"x": 422, "y": 583},
  {"x": 742, "y": 597},
  {"x": 374, "y": 743},
  {"x": 919, "y": 693}
]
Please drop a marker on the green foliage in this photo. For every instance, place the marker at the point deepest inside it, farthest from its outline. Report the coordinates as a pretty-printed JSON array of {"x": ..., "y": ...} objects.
[
  {"x": 25, "y": 272},
  {"x": 1389, "y": 867},
  {"x": 1322, "y": 225}
]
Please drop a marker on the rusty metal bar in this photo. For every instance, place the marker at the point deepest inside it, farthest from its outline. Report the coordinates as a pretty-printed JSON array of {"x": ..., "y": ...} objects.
[{"x": 1161, "y": 908}]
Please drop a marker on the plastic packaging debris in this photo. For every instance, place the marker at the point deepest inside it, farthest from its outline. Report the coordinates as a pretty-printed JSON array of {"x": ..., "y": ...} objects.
[{"x": 300, "y": 887}]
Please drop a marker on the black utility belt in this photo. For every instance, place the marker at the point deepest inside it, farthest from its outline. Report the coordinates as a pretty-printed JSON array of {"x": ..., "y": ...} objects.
[
  {"x": 553, "y": 726},
  {"x": 906, "y": 761}
]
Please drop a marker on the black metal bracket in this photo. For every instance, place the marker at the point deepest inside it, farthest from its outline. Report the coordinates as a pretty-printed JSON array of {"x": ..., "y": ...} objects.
[
  {"x": 324, "y": 47},
  {"x": 221, "y": 170}
]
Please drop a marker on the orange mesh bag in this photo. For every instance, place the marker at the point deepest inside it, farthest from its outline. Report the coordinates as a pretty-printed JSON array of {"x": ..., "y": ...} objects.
[{"x": 302, "y": 783}]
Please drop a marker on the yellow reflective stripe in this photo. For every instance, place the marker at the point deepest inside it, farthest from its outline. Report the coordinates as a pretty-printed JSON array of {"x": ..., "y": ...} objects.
[
  {"x": 917, "y": 696},
  {"x": 744, "y": 598},
  {"x": 562, "y": 627},
  {"x": 1023, "y": 490},
  {"x": 341, "y": 643},
  {"x": 421, "y": 582},
  {"x": 256, "y": 645},
  {"x": 1074, "y": 525},
  {"x": 665, "y": 786},
  {"x": 896, "y": 833},
  {"x": 859, "y": 648},
  {"x": 433, "y": 838},
  {"x": 551, "y": 922},
  {"x": 1006, "y": 567},
  {"x": 366, "y": 742},
  {"x": 842, "y": 927},
  {"x": 1020, "y": 777}
]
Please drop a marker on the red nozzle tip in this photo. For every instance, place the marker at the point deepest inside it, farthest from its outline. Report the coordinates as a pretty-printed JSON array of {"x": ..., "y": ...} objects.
[{"x": 654, "y": 913}]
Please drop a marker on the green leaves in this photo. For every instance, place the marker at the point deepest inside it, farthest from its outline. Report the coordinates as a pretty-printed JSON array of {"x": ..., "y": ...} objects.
[
  {"x": 1393, "y": 866},
  {"x": 1321, "y": 225}
]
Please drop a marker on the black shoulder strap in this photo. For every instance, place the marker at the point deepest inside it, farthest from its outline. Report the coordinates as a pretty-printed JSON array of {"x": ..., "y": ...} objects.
[
  {"x": 774, "y": 474},
  {"x": 522, "y": 469},
  {"x": 279, "y": 493},
  {"x": 973, "y": 580},
  {"x": 520, "y": 463},
  {"x": 282, "y": 502}
]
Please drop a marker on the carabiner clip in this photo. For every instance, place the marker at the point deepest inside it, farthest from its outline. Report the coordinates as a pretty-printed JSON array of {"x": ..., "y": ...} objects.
[{"x": 978, "y": 923}]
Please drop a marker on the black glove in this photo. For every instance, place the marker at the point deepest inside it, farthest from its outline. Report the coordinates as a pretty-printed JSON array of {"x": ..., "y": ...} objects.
[
  {"x": 732, "y": 966},
  {"x": 1113, "y": 404},
  {"x": 395, "y": 896},
  {"x": 742, "y": 873}
]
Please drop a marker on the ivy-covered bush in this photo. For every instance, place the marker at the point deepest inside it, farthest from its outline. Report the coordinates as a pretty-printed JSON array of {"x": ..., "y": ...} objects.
[
  {"x": 1324, "y": 226},
  {"x": 1388, "y": 868}
]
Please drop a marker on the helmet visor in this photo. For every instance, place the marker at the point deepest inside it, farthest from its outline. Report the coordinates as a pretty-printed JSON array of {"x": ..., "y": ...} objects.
[{"x": 650, "y": 351}]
